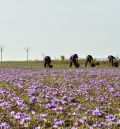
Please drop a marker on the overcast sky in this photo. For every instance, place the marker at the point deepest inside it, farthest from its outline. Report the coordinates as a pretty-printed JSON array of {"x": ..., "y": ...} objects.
[{"x": 59, "y": 27}]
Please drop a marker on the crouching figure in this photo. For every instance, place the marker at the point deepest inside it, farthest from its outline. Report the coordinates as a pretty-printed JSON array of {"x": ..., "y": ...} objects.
[
  {"x": 47, "y": 62},
  {"x": 74, "y": 60},
  {"x": 89, "y": 59},
  {"x": 111, "y": 60}
]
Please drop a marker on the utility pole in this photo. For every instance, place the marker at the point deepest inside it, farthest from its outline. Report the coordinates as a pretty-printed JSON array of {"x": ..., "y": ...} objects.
[
  {"x": 27, "y": 51},
  {"x": 43, "y": 56},
  {"x": 1, "y": 50}
]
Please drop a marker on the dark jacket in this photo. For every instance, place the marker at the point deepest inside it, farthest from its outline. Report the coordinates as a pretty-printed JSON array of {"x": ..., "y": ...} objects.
[{"x": 74, "y": 57}]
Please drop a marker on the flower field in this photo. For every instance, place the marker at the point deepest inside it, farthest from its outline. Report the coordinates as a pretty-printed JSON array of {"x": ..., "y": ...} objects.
[{"x": 64, "y": 99}]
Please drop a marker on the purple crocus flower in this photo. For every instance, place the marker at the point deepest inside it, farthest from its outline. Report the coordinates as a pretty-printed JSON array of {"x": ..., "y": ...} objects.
[
  {"x": 111, "y": 90},
  {"x": 43, "y": 116},
  {"x": 52, "y": 105},
  {"x": 5, "y": 125},
  {"x": 97, "y": 112},
  {"x": 59, "y": 122},
  {"x": 111, "y": 118},
  {"x": 59, "y": 108},
  {"x": 37, "y": 127}
]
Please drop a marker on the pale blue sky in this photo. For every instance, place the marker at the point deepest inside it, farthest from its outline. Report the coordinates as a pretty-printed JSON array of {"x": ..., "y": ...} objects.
[{"x": 59, "y": 27}]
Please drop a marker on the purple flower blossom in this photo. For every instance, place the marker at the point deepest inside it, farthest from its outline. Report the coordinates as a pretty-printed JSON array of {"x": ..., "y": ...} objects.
[
  {"x": 37, "y": 127},
  {"x": 23, "y": 117},
  {"x": 58, "y": 122},
  {"x": 100, "y": 125},
  {"x": 35, "y": 99},
  {"x": 97, "y": 112},
  {"x": 111, "y": 90},
  {"x": 111, "y": 118},
  {"x": 52, "y": 105},
  {"x": 33, "y": 112},
  {"x": 43, "y": 116},
  {"x": 79, "y": 122},
  {"x": 59, "y": 108},
  {"x": 5, "y": 125}
]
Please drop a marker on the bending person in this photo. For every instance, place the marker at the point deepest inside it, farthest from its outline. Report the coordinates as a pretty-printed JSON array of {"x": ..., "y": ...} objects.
[
  {"x": 74, "y": 60},
  {"x": 47, "y": 61},
  {"x": 111, "y": 60},
  {"x": 89, "y": 60}
]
